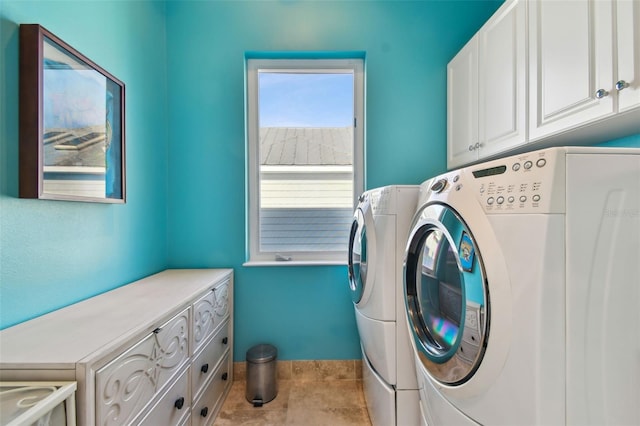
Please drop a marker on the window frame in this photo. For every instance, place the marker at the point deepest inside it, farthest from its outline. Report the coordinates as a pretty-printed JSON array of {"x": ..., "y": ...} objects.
[{"x": 353, "y": 65}]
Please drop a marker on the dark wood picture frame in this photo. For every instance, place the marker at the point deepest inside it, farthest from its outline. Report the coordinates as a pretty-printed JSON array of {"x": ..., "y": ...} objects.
[{"x": 72, "y": 123}]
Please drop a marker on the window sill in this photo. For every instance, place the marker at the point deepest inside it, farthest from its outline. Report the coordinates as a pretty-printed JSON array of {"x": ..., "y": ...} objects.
[{"x": 295, "y": 263}]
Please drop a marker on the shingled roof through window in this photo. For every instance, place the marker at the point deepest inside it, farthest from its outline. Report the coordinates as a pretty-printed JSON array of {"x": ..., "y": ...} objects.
[{"x": 306, "y": 146}]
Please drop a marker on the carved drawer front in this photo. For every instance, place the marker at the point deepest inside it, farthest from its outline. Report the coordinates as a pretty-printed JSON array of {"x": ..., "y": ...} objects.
[
  {"x": 208, "y": 312},
  {"x": 127, "y": 384},
  {"x": 206, "y": 406},
  {"x": 222, "y": 301},
  {"x": 203, "y": 319},
  {"x": 205, "y": 363},
  {"x": 173, "y": 407}
]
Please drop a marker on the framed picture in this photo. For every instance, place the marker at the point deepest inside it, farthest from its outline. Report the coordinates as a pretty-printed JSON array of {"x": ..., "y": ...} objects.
[{"x": 72, "y": 126}]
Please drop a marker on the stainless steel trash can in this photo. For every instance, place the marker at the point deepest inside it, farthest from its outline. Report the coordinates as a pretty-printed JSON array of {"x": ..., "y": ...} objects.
[{"x": 262, "y": 385}]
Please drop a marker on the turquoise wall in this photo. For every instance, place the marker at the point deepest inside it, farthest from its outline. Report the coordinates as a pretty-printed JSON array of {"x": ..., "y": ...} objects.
[
  {"x": 628, "y": 141},
  {"x": 54, "y": 253},
  {"x": 304, "y": 311},
  {"x": 182, "y": 63}
]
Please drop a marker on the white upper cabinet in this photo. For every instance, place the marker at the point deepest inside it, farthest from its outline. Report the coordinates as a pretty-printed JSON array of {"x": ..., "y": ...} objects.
[
  {"x": 542, "y": 73},
  {"x": 502, "y": 83},
  {"x": 462, "y": 105},
  {"x": 570, "y": 64},
  {"x": 628, "y": 61},
  {"x": 486, "y": 89}
]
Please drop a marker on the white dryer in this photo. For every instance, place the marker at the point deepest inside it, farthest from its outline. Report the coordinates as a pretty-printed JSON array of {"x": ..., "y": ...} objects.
[
  {"x": 522, "y": 287},
  {"x": 376, "y": 251}
]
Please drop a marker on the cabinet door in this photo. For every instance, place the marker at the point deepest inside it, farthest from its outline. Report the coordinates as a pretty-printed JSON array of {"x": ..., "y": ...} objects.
[
  {"x": 502, "y": 80},
  {"x": 628, "y": 43},
  {"x": 462, "y": 106},
  {"x": 570, "y": 60}
]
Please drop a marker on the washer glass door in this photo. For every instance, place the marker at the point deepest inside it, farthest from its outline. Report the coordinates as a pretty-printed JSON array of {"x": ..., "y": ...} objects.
[
  {"x": 357, "y": 256},
  {"x": 446, "y": 295}
]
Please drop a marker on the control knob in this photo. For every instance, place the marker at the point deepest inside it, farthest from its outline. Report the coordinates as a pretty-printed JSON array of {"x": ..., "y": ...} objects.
[{"x": 439, "y": 185}]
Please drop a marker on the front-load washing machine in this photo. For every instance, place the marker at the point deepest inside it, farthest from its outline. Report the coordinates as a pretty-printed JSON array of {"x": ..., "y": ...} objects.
[
  {"x": 376, "y": 251},
  {"x": 522, "y": 287}
]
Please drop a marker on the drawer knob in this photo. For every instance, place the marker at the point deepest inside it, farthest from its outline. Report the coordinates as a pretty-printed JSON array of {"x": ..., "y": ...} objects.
[
  {"x": 224, "y": 376},
  {"x": 179, "y": 403},
  {"x": 204, "y": 412},
  {"x": 204, "y": 368},
  {"x": 225, "y": 340},
  {"x": 601, "y": 93}
]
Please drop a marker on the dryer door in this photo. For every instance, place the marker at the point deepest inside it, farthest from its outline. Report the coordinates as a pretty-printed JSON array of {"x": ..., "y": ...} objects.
[
  {"x": 446, "y": 295},
  {"x": 362, "y": 243}
]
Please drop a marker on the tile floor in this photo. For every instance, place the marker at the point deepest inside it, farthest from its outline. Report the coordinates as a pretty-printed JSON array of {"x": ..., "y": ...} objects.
[{"x": 309, "y": 394}]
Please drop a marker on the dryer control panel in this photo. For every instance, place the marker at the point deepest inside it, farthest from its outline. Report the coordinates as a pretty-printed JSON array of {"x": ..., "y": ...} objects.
[
  {"x": 382, "y": 200},
  {"x": 393, "y": 199}
]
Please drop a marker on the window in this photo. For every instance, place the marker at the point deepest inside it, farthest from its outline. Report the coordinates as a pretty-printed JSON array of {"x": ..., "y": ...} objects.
[{"x": 305, "y": 157}]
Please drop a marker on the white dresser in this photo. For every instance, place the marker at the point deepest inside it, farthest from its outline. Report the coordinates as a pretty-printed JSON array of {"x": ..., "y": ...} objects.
[{"x": 158, "y": 351}]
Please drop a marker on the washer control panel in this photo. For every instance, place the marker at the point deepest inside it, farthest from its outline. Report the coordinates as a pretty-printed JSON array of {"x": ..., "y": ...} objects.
[{"x": 530, "y": 182}]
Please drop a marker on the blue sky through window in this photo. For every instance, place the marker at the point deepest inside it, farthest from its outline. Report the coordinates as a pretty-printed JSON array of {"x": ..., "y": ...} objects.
[{"x": 305, "y": 99}]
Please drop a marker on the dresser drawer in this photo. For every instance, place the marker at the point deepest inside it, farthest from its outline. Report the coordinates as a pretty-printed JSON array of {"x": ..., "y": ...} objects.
[
  {"x": 207, "y": 405},
  {"x": 129, "y": 382},
  {"x": 173, "y": 407},
  {"x": 204, "y": 363},
  {"x": 222, "y": 301},
  {"x": 208, "y": 313}
]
